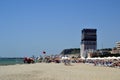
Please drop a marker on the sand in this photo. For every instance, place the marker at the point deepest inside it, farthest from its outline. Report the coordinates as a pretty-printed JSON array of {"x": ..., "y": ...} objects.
[{"x": 52, "y": 71}]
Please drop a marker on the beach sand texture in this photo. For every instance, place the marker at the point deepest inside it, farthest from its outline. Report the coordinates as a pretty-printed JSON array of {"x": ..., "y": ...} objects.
[{"x": 52, "y": 71}]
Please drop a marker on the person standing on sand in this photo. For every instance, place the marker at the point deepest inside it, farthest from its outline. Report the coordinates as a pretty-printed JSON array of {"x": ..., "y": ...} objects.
[{"x": 67, "y": 60}]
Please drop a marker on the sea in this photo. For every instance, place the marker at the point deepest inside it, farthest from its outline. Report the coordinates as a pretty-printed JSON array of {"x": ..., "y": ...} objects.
[{"x": 10, "y": 61}]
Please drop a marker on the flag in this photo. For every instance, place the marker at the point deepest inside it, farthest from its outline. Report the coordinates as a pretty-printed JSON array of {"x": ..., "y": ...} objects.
[{"x": 44, "y": 52}]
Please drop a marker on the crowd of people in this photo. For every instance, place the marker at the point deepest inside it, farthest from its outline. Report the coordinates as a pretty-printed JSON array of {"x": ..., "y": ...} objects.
[
  {"x": 68, "y": 60},
  {"x": 105, "y": 62}
]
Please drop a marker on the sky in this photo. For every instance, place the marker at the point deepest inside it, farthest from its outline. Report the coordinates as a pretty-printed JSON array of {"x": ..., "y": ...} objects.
[{"x": 29, "y": 27}]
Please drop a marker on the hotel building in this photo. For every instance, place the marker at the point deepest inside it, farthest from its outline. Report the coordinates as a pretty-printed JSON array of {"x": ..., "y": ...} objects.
[
  {"x": 88, "y": 42},
  {"x": 118, "y": 45}
]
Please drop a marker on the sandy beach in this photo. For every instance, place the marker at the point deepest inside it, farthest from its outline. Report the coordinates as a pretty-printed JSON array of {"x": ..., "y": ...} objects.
[{"x": 52, "y": 71}]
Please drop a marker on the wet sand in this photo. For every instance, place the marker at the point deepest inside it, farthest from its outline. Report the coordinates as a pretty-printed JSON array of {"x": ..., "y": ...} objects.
[{"x": 52, "y": 71}]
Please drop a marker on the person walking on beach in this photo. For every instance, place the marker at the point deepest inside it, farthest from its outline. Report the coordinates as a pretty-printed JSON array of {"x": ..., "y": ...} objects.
[{"x": 67, "y": 60}]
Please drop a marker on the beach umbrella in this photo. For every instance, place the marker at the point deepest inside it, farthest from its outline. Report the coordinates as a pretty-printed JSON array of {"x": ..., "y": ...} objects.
[
  {"x": 114, "y": 57},
  {"x": 118, "y": 57}
]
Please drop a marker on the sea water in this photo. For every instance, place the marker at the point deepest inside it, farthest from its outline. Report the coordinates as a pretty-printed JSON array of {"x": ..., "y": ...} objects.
[{"x": 11, "y": 61}]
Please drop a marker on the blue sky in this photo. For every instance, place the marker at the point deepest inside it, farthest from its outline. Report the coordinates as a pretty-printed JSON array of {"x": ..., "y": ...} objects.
[{"x": 28, "y": 27}]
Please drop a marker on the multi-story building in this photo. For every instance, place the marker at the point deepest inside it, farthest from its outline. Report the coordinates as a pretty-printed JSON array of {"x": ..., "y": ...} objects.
[
  {"x": 88, "y": 42},
  {"x": 116, "y": 49},
  {"x": 118, "y": 45}
]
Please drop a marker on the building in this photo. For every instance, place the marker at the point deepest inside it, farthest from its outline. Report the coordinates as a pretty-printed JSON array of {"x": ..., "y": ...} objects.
[
  {"x": 88, "y": 42},
  {"x": 118, "y": 45},
  {"x": 116, "y": 49}
]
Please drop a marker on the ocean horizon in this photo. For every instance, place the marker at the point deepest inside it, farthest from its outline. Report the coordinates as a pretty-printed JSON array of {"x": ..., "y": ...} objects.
[{"x": 10, "y": 61}]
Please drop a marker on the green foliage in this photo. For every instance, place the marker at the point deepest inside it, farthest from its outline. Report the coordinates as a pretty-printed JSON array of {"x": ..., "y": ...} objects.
[
  {"x": 110, "y": 55},
  {"x": 105, "y": 49},
  {"x": 70, "y": 51}
]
